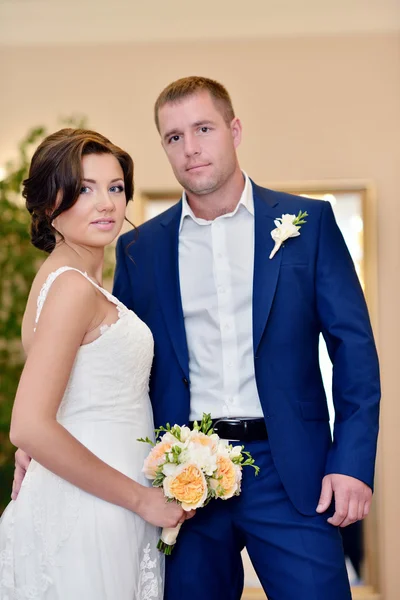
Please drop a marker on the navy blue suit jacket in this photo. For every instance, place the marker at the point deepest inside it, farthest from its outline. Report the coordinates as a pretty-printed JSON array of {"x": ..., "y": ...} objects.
[{"x": 309, "y": 287}]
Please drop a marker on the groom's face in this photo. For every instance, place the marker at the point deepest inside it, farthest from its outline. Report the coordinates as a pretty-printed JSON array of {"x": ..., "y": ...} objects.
[{"x": 200, "y": 144}]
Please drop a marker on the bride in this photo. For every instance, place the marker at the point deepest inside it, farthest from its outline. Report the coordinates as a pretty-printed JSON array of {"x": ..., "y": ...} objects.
[{"x": 85, "y": 523}]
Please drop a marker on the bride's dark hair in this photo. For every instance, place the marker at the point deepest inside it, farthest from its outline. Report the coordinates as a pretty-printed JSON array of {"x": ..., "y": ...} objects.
[{"x": 55, "y": 178}]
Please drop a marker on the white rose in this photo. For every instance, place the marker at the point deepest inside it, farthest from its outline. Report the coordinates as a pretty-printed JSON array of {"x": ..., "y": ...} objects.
[
  {"x": 169, "y": 469},
  {"x": 185, "y": 433},
  {"x": 169, "y": 438},
  {"x": 215, "y": 438},
  {"x": 200, "y": 455},
  {"x": 236, "y": 451},
  {"x": 223, "y": 448}
]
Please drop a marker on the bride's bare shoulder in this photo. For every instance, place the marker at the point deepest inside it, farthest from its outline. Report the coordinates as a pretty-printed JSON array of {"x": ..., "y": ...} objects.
[{"x": 72, "y": 285}]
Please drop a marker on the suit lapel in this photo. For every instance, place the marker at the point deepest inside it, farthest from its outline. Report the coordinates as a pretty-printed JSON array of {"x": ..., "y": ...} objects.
[
  {"x": 168, "y": 285},
  {"x": 266, "y": 271},
  {"x": 265, "y": 277}
]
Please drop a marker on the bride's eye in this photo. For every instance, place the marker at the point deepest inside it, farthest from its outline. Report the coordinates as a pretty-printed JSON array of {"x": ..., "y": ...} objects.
[
  {"x": 84, "y": 189},
  {"x": 117, "y": 188}
]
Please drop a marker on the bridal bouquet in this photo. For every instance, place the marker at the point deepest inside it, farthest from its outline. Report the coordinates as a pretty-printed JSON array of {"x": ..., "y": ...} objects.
[{"x": 193, "y": 466}]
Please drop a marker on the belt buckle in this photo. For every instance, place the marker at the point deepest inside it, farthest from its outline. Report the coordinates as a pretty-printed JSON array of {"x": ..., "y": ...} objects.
[{"x": 229, "y": 422}]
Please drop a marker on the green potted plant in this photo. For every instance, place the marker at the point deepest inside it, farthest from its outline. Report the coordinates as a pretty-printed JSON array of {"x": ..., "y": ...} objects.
[{"x": 19, "y": 262}]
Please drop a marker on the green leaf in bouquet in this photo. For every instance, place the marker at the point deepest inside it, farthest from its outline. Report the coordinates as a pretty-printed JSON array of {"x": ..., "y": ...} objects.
[
  {"x": 176, "y": 451},
  {"x": 206, "y": 424},
  {"x": 162, "y": 429},
  {"x": 158, "y": 481},
  {"x": 146, "y": 440},
  {"x": 210, "y": 496},
  {"x": 176, "y": 432},
  {"x": 246, "y": 460}
]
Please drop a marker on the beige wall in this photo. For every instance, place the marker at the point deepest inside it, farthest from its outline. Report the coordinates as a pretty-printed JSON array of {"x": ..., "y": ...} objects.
[{"x": 316, "y": 108}]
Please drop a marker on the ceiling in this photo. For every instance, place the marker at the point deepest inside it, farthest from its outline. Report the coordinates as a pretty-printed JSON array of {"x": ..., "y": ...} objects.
[{"x": 73, "y": 22}]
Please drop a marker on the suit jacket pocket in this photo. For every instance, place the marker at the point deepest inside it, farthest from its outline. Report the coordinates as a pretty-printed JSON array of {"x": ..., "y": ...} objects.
[
  {"x": 294, "y": 254},
  {"x": 314, "y": 411},
  {"x": 287, "y": 265}
]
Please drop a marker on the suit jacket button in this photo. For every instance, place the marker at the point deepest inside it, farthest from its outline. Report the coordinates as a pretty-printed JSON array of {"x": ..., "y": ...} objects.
[{"x": 185, "y": 381}]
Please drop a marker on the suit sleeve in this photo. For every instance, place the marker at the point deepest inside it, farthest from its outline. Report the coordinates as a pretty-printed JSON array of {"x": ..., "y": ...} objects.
[
  {"x": 347, "y": 331},
  {"x": 122, "y": 288}
]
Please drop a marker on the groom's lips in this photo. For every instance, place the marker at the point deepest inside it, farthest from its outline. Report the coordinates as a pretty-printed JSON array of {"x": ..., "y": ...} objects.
[{"x": 195, "y": 167}]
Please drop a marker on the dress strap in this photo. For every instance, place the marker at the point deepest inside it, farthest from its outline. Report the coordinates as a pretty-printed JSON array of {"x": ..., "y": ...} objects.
[{"x": 53, "y": 276}]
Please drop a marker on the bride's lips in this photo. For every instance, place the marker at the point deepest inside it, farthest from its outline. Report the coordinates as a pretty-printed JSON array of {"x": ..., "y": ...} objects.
[{"x": 104, "y": 224}]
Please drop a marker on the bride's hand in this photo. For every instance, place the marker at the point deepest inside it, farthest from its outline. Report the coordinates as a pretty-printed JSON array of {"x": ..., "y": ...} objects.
[
  {"x": 22, "y": 461},
  {"x": 154, "y": 509}
]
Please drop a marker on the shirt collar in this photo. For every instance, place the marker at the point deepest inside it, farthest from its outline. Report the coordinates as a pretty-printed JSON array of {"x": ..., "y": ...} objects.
[{"x": 246, "y": 200}]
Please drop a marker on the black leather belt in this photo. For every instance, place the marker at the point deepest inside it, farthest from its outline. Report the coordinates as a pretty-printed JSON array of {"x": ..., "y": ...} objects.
[{"x": 240, "y": 429}]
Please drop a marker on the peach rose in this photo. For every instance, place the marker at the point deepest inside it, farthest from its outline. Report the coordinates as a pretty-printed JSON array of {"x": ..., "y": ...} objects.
[
  {"x": 187, "y": 485},
  {"x": 156, "y": 458},
  {"x": 227, "y": 478},
  {"x": 201, "y": 439}
]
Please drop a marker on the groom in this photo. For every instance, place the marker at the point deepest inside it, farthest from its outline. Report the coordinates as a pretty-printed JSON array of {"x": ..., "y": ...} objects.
[{"x": 236, "y": 335}]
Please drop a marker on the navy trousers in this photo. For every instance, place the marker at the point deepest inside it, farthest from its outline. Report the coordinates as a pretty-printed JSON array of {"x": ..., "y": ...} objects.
[{"x": 296, "y": 557}]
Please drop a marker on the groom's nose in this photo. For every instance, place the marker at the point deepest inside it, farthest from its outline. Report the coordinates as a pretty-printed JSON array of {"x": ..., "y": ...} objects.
[{"x": 191, "y": 145}]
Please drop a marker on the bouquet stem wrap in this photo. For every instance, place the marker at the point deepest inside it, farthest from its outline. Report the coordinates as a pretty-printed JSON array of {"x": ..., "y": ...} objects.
[{"x": 168, "y": 539}]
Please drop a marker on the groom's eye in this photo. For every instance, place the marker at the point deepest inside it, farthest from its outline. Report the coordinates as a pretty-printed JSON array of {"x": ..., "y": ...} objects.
[{"x": 174, "y": 138}]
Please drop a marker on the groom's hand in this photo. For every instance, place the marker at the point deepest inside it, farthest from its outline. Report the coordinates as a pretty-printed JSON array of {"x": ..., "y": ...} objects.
[
  {"x": 352, "y": 499},
  {"x": 22, "y": 461}
]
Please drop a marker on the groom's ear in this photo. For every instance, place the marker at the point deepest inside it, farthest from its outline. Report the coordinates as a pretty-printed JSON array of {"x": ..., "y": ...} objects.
[
  {"x": 236, "y": 129},
  {"x": 162, "y": 144}
]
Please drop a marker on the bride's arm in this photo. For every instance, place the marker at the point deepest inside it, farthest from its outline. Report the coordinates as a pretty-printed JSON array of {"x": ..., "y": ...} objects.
[{"x": 67, "y": 315}]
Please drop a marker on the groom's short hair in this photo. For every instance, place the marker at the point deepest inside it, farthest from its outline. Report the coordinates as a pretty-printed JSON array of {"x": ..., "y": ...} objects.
[{"x": 187, "y": 86}]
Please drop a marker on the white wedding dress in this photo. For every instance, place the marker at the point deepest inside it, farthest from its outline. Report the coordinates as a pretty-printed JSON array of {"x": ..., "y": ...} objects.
[{"x": 58, "y": 542}]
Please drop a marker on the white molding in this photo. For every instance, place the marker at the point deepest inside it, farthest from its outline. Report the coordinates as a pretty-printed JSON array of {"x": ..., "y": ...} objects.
[{"x": 56, "y": 22}]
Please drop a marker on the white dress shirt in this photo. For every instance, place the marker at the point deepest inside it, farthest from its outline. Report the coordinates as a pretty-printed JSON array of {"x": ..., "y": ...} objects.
[{"x": 216, "y": 263}]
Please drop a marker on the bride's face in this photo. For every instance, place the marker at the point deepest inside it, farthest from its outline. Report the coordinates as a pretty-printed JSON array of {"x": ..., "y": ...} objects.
[{"x": 97, "y": 216}]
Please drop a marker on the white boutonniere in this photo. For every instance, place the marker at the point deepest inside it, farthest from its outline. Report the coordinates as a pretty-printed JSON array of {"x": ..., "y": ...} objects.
[{"x": 287, "y": 226}]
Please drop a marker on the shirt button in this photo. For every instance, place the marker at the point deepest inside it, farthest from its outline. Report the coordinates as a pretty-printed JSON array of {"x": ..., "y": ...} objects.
[
  {"x": 230, "y": 364},
  {"x": 221, "y": 289},
  {"x": 219, "y": 255},
  {"x": 231, "y": 399}
]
